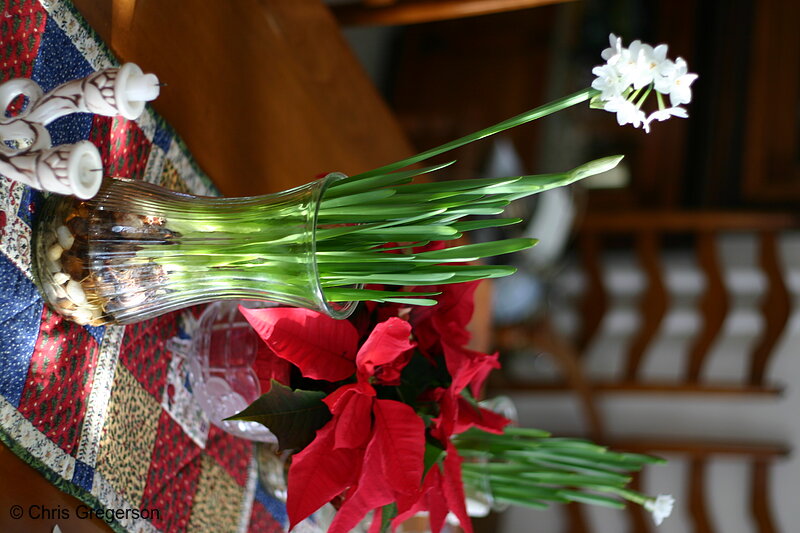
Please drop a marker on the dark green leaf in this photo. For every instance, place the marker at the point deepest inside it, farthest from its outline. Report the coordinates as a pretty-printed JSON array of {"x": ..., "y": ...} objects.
[
  {"x": 388, "y": 512},
  {"x": 425, "y": 302},
  {"x": 366, "y": 197},
  {"x": 522, "y": 118},
  {"x": 434, "y": 453},
  {"x": 293, "y": 416}
]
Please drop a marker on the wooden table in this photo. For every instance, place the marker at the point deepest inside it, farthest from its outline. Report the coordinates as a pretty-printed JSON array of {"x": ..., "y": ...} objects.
[
  {"x": 266, "y": 94},
  {"x": 42, "y": 506}
]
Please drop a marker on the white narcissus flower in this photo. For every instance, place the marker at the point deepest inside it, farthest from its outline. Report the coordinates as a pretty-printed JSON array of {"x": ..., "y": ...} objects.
[
  {"x": 608, "y": 82},
  {"x": 665, "y": 77},
  {"x": 660, "y": 507},
  {"x": 679, "y": 83},
  {"x": 636, "y": 64},
  {"x": 651, "y": 61},
  {"x": 614, "y": 49},
  {"x": 627, "y": 112},
  {"x": 630, "y": 75}
]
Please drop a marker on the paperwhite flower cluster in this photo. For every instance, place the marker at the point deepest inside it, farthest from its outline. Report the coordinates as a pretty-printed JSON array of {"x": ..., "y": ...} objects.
[
  {"x": 660, "y": 507},
  {"x": 631, "y": 74}
]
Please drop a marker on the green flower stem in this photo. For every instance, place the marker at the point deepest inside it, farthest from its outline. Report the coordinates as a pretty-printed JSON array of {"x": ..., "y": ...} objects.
[
  {"x": 528, "y": 116},
  {"x": 644, "y": 96},
  {"x": 528, "y": 467},
  {"x": 661, "y": 105}
]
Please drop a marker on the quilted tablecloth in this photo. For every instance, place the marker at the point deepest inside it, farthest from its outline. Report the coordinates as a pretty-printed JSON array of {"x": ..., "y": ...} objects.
[{"x": 106, "y": 413}]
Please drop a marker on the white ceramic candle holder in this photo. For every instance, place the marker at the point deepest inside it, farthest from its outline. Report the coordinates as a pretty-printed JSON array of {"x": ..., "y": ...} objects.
[{"x": 26, "y": 151}]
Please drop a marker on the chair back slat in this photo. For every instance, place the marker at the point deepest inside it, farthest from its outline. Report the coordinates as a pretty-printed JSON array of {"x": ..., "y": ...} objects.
[
  {"x": 760, "y": 495},
  {"x": 698, "y": 506},
  {"x": 776, "y": 307},
  {"x": 713, "y": 306},
  {"x": 653, "y": 304},
  {"x": 576, "y": 518},
  {"x": 638, "y": 519},
  {"x": 653, "y": 233}
]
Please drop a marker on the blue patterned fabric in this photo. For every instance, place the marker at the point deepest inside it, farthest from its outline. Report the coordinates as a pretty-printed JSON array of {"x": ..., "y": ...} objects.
[{"x": 20, "y": 316}]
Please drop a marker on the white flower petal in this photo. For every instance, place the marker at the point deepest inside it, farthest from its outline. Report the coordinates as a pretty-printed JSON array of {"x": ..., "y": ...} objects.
[
  {"x": 615, "y": 45},
  {"x": 664, "y": 114},
  {"x": 627, "y": 112},
  {"x": 681, "y": 92},
  {"x": 662, "y": 84},
  {"x": 678, "y": 112},
  {"x": 660, "y": 507},
  {"x": 660, "y": 53}
]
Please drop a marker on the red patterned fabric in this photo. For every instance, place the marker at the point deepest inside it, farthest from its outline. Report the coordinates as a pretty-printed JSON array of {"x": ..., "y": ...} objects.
[
  {"x": 231, "y": 453},
  {"x": 173, "y": 476},
  {"x": 86, "y": 406},
  {"x": 142, "y": 351},
  {"x": 124, "y": 148},
  {"x": 21, "y": 28},
  {"x": 59, "y": 380}
]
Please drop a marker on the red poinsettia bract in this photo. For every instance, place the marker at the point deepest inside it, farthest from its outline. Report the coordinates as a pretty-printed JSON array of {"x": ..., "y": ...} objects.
[{"x": 372, "y": 449}]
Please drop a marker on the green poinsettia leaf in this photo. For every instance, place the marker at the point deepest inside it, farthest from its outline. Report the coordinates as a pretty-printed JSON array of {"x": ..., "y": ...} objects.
[
  {"x": 434, "y": 455},
  {"x": 293, "y": 416},
  {"x": 388, "y": 513}
]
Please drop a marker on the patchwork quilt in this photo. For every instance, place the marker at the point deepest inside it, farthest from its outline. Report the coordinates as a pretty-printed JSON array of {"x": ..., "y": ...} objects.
[{"x": 106, "y": 413}]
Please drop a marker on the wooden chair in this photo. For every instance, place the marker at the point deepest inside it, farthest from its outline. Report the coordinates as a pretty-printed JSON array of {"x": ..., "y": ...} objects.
[
  {"x": 696, "y": 232},
  {"x": 649, "y": 231},
  {"x": 400, "y": 12}
]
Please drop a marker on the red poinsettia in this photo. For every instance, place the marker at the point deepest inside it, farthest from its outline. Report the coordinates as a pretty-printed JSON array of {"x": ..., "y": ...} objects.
[
  {"x": 372, "y": 448},
  {"x": 371, "y": 453}
]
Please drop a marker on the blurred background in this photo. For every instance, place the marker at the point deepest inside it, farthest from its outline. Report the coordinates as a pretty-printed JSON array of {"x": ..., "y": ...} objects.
[{"x": 658, "y": 313}]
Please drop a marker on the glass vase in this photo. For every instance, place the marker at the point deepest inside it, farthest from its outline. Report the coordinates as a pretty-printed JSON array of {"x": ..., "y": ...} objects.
[{"x": 137, "y": 250}]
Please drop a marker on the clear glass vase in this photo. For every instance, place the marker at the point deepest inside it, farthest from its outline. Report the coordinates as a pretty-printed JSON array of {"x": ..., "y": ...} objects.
[{"x": 137, "y": 250}]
